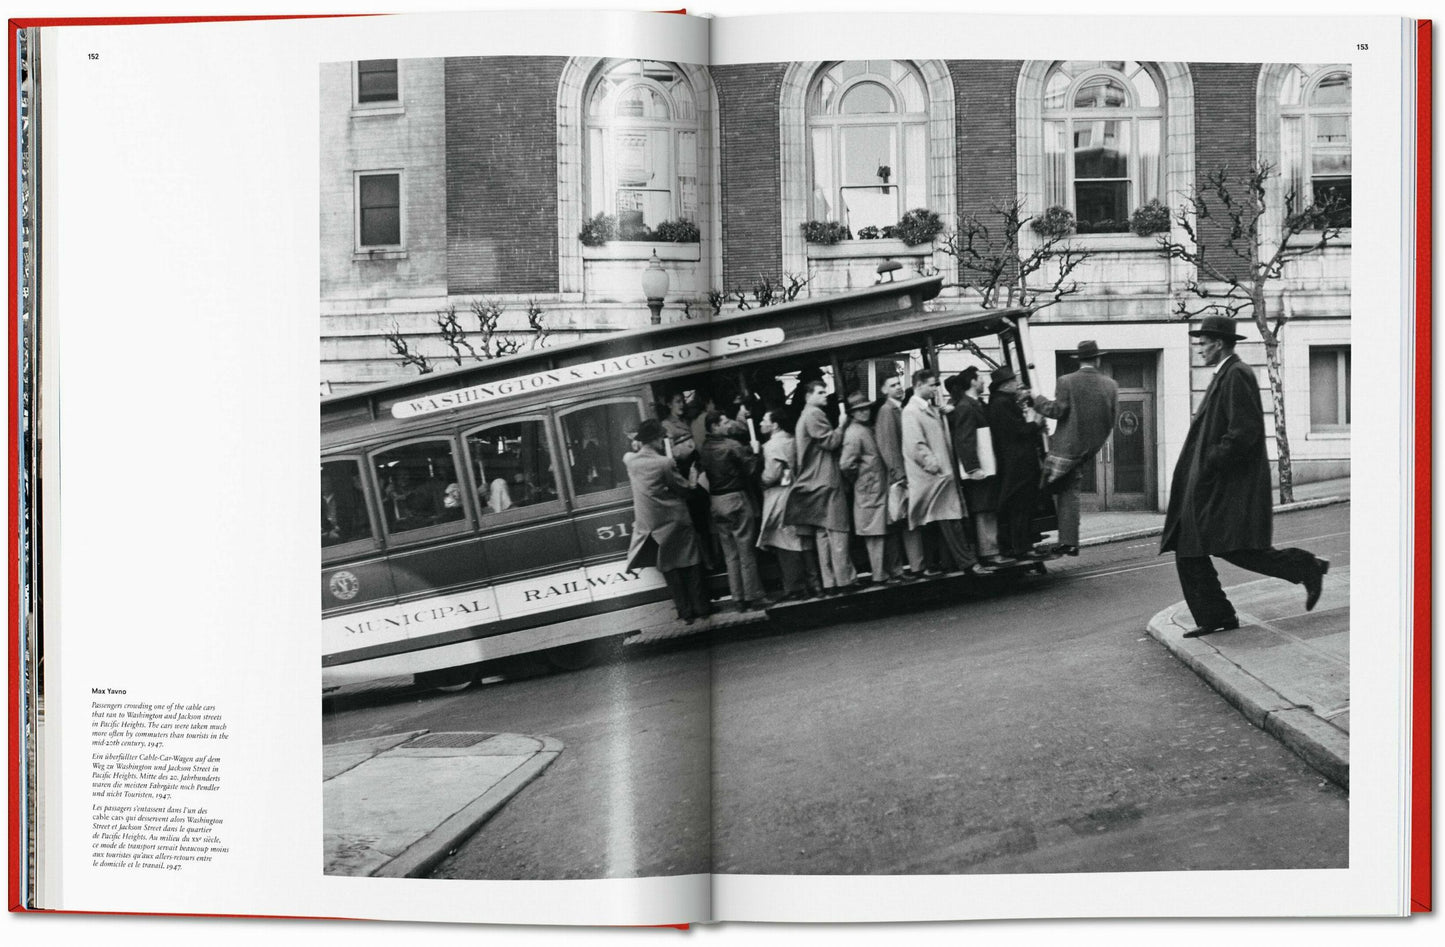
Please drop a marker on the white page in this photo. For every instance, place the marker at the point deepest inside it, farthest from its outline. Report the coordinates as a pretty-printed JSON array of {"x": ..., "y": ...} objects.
[
  {"x": 1372, "y": 884},
  {"x": 181, "y": 189},
  {"x": 354, "y": 932}
]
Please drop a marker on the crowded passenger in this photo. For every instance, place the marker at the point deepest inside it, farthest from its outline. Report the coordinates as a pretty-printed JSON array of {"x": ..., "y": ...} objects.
[
  {"x": 862, "y": 465},
  {"x": 973, "y": 446},
  {"x": 933, "y": 496},
  {"x": 662, "y": 531},
  {"x": 794, "y": 551},
  {"x": 902, "y": 537},
  {"x": 729, "y": 467},
  {"x": 1016, "y": 449},
  {"x": 818, "y": 498}
]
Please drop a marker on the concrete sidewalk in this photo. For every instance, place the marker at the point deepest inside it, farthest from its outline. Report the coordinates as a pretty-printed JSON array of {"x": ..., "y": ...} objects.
[
  {"x": 394, "y": 806},
  {"x": 1108, "y": 527},
  {"x": 1286, "y": 670}
]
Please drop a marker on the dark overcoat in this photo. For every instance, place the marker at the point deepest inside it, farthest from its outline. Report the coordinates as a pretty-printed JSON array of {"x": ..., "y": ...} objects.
[
  {"x": 1219, "y": 500},
  {"x": 1085, "y": 405},
  {"x": 662, "y": 530},
  {"x": 969, "y": 414},
  {"x": 1016, "y": 446}
]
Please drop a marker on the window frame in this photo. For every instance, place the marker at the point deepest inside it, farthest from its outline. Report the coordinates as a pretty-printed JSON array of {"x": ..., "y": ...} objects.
[
  {"x": 610, "y": 124},
  {"x": 836, "y": 121},
  {"x": 1132, "y": 115},
  {"x": 355, "y": 547},
  {"x": 366, "y": 248},
  {"x": 383, "y": 106},
  {"x": 586, "y": 501},
  {"x": 424, "y": 533},
  {"x": 1306, "y": 113},
  {"x": 488, "y": 522},
  {"x": 1343, "y": 370}
]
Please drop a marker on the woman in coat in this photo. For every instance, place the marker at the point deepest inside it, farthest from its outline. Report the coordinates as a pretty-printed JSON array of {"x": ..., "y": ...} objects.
[
  {"x": 862, "y": 464},
  {"x": 794, "y": 550},
  {"x": 1016, "y": 446}
]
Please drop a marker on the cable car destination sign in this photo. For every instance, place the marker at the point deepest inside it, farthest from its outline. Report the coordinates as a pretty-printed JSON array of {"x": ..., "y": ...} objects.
[{"x": 689, "y": 353}]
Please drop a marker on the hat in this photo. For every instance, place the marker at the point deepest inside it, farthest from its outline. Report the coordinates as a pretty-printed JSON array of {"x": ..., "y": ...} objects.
[
  {"x": 1001, "y": 375},
  {"x": 1218, "y": 327},
  {"x": 1088, "y": 349},
  {"x": 858, "y": 400}
]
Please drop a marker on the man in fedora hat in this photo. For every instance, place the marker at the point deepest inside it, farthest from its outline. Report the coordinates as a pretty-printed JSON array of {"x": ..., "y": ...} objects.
[
  {"x": 1219, "y": 503},
  {"x": 1085, "y": 404}
]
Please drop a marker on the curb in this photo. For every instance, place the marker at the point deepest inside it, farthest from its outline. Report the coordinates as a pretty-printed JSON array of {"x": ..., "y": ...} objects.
[
  {"x": 423, "y": 854},
  {"x": 1157, "y": 530},
  {"x": 1320, "y": 744}
]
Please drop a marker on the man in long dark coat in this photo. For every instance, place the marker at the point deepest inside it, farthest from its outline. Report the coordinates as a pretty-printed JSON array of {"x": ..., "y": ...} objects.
[
  {"x": 1219, "y": 503},
  {"x": 1016, "y": 446},
  {"x": 980, "y": 492}
]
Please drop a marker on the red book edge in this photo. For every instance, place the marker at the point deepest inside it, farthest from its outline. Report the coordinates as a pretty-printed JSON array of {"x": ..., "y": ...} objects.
[{"x": 1420, "y": 821}]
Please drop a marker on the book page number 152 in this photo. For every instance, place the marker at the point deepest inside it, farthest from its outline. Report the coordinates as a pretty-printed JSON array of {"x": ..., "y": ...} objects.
[{"x": 92, "y": 55}]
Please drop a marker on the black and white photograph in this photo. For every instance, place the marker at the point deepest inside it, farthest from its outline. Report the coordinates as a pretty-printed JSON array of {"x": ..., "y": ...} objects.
[{"x": 858, "y": 467}]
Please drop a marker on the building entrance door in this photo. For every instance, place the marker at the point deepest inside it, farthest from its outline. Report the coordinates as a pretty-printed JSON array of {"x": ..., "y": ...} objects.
[{"x": 1123, "y": 475}]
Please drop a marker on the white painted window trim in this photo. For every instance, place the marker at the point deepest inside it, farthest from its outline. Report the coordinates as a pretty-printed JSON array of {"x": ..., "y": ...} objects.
[
  {"x": 795, "y": 173},
  {"x": 572, "y": 172},
  {"x": 367, "y": 250},
  {"x": 1177, "y": 143},
  {"x": 1341, "y": 352},
  {"x": 390, "y": 107},
  {"x": 1269, "y": 141}
]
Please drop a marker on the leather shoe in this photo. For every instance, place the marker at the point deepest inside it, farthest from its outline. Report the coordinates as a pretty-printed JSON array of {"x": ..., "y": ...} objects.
[
  {"x": 1203, "y": 630},
  {"x": 1067, "y": 550},
  {"x": 1315, "y": 583}
]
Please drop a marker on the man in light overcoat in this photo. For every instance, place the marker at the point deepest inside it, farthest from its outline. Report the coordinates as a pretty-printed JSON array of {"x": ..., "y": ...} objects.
[
  {"x": 902, "y": 538},
  {"x": 1219, "y": 500},
  {"x": 933, "y": 496}
]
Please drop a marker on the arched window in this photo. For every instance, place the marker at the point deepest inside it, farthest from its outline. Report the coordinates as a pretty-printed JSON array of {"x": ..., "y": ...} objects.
[
  {"x": 1103, "y": 129},
  {"x": 868, "y": 143},
  {"x": 1314, "y": 157},
  {"x": 641, "y": 145}
]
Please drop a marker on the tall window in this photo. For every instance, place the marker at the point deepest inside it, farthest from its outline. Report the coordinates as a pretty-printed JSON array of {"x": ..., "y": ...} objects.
[
  {"x": 1329, "y": 388},
  {"x": 1103, "y": 126},
  {"x": 642, "y": 154},
  {"x": 378, "y": 210},
  {"x": 1314, "y": 110},
  {"x": 868, "y": 143}
]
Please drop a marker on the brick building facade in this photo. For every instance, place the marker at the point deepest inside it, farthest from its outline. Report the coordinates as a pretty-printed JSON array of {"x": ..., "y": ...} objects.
[{"x": 444, "y": 182}]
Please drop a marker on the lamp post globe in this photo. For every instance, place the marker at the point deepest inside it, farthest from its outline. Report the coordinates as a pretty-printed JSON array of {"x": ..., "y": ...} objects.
[{"x": 654, "y": 287}]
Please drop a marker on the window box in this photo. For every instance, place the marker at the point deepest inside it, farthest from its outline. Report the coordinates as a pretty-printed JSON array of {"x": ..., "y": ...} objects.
[
  {"x": 643, "y": 250},
  {"x": 867, "y": 249},
  {"x": 1116, "y": 242}
]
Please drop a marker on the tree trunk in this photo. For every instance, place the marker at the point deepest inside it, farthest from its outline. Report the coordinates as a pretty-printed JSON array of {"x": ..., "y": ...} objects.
[{"x": 1276, "y": 388}]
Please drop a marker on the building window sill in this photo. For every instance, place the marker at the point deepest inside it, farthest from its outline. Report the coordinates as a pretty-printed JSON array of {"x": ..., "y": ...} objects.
[
  {"x": 1339, "y": 434},
  {"x": 866, "y": 250},
  {"x": 1308, "y": 237},
  {"x": 1116, "y": 242},
  {"x": 357, "y": 111},
  {"x": 642, "y": 251},
  {"x": 390, "y": 253}
]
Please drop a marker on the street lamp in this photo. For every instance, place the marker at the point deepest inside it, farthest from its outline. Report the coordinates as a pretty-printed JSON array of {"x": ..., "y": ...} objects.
[{"x": 654, "y": 287}]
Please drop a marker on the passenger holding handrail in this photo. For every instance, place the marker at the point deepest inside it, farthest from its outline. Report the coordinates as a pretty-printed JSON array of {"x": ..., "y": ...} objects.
[
  {"x": 729, "y": 467},
  {"x": 861, "y": 463},
  {"x": 1016, "y": 444},
  {"x": 662, "y": 531},
  {"x": 969, "y": 422},
  {"x": 933, "y": 495},
  {"x": 793, "y": 550},
  {"x": 818, "y": 499},
  {"x": 888, "y": 431}
]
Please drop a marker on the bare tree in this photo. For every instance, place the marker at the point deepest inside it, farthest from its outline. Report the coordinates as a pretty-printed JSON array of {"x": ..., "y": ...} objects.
[
  {"x": 994, "y": 264},
  {"x": 493, "y": 342},
  {"x": 1236, "y": 260},
  {"x": 400, "y": 347},
  {"x": 766, "y": 292}
]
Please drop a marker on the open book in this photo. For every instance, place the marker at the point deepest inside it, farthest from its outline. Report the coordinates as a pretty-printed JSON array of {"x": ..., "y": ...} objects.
[{"x": 744, "y": 449}]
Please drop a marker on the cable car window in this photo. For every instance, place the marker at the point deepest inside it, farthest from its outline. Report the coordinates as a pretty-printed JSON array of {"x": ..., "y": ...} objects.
[
  {"x": 511, "y": 466},
  {"x": 343, "y": 505},
  {"x": 419, "y": 486},
  {"x": 596, "y": 439}
]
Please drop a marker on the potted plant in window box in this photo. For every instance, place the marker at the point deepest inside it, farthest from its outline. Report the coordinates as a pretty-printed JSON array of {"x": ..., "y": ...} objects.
[
  {"x": 1150, "y": 219},
  {"x": 596, "y": 231},
  {"x": 917, "y": 227},
  {"x": 826, "y": 232},
  {"x": 1057, "y": 221}
]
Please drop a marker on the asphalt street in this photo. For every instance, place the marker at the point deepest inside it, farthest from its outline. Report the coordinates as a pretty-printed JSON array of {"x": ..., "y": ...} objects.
[{"x": 1033, "y": 728}]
